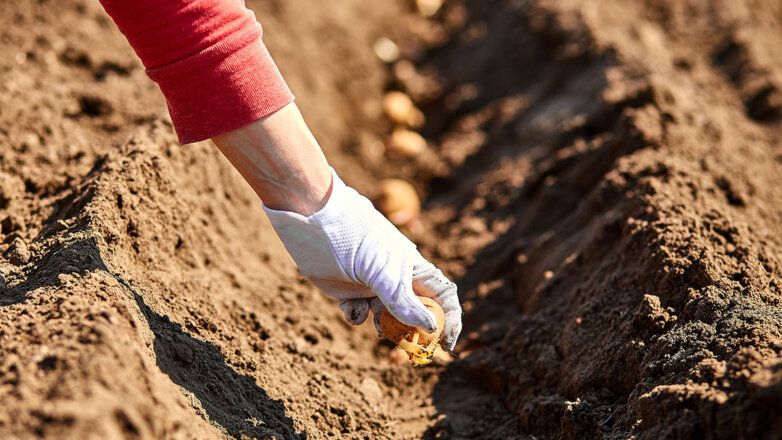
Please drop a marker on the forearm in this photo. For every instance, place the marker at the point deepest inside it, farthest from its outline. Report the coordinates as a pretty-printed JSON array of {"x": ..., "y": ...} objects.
[
  {"x": 281, "y": 160},
  {"x": 221, "y": 83}
]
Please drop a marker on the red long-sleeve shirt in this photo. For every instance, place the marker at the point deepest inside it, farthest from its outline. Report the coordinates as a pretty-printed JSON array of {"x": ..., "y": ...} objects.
[{"x": 208, "y": 59}]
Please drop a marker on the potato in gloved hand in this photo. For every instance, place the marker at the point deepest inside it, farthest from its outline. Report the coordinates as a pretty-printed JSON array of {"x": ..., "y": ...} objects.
[
  {"x": 418, "y": 344},
  {"x": 354, "y": 254}
]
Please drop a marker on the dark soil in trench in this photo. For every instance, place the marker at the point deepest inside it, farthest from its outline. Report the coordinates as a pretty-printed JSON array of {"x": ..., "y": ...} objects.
[{"x": 603, "y": 183}]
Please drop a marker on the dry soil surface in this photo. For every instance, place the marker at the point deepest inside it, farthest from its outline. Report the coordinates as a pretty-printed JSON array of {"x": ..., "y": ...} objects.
[{"x": 602, "y": 181}]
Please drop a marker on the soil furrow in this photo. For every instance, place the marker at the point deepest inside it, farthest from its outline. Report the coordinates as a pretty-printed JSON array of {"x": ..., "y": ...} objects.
[{"x": 601, "y": 180}]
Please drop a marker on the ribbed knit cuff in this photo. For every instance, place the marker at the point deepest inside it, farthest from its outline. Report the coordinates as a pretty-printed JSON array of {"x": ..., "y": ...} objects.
[{"x": 222, "y": 88}]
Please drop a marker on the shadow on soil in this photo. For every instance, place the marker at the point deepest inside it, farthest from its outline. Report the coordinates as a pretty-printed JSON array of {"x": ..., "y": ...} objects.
[
  {"x": 556, "y": 89},
  {"x": 225, "y": 398},
  {"x": 230, "y": 400}
]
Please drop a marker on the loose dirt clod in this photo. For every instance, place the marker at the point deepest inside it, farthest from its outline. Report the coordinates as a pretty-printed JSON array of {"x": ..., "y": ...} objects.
[
  {"x": 371, "y": 391},
  {"x": 18, "y": 253}
]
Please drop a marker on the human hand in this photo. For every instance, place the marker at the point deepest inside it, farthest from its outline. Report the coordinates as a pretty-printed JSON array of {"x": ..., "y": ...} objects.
[{"x": 354, "y": 254}]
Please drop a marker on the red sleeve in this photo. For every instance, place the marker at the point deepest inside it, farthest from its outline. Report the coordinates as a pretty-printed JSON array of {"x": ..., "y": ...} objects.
[{"x": 208, "y": 59}]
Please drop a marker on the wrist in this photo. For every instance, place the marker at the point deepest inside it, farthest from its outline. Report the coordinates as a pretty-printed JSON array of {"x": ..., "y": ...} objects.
[
  {"x": 281, "y": 160},
  {"x": 303, "y": 194}
]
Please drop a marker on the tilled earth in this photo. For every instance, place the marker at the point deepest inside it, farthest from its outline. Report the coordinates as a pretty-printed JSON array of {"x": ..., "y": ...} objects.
[{"x": 602, "y": 181}]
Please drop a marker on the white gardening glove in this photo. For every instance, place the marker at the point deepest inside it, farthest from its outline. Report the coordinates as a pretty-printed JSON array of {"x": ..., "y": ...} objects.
[{"x": 354, "y": 254}]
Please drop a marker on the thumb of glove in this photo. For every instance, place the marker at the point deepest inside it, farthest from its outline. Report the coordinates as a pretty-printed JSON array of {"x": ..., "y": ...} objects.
[
  {"x": 356, "y": 310},
  {"x": 389, "y": 273}
]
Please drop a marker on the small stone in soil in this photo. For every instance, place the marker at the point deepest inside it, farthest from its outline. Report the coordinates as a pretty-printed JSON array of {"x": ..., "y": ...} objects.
[
  {"x": 371, "y": 391},
  {"x": 18, "y": 253},
  {"x": 397, "y": 356}
]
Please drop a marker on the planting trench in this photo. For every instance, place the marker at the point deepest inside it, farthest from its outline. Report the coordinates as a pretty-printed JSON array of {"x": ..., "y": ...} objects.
[{"x": 602, "y": 183}]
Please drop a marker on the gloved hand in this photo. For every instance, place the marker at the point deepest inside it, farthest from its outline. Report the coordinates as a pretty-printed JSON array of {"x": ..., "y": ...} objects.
[{"x": 354, "y": 254}]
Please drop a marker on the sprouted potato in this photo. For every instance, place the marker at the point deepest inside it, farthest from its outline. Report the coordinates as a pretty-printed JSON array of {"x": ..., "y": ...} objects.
[{"x": 419, "y": 344}]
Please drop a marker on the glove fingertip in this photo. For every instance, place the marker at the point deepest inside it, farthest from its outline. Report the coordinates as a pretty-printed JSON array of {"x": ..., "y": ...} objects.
[
  {"x": 448, "y": 342},
  {"x": 453, "y": 327},
  {"x": 356, "y": 310}
]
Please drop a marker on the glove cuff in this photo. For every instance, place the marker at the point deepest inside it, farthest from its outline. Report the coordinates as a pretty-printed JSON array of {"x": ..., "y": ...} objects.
[{"x": 336, "y": 230}]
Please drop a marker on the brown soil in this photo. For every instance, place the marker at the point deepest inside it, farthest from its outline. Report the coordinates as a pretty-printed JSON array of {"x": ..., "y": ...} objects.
[{"x": 603, "y": 185}]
